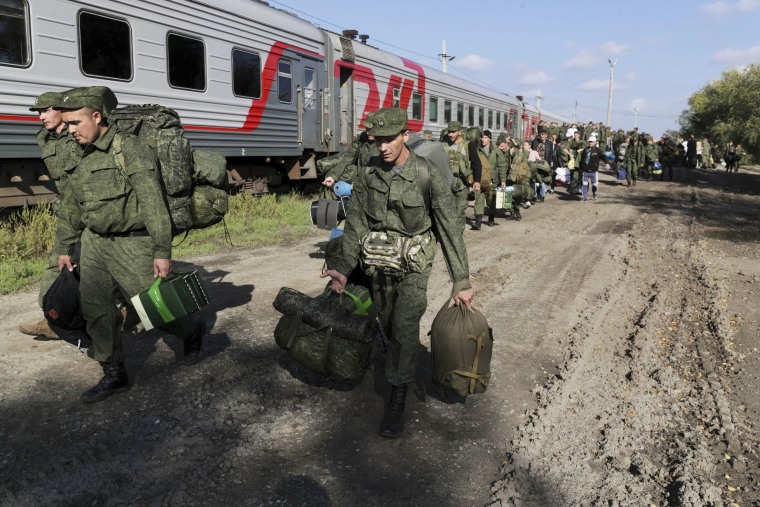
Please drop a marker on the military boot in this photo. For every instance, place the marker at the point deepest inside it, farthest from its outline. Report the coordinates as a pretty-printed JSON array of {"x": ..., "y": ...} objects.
[
  {"x": 491, "y": 221},
  {"x": 393, "y": 421},
  {"x": 114, "y": 381},
  {"x": 194, "y": 343},
  {"x": 478, "y": 223},
  {"x": 516, "y": 214},
  {"x": 38, "y": 328}
]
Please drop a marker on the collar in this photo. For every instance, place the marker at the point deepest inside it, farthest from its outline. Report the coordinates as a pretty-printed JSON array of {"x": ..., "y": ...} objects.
[{"x": 104, "y": 141}]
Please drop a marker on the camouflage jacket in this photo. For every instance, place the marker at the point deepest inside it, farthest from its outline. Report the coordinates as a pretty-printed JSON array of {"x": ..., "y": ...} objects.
[
  {"x": 60, "y": 153},
  {"x": 383, "y": 201},
  {"x": 106, "y": 200},
  {"x": 500, "y": 163}
]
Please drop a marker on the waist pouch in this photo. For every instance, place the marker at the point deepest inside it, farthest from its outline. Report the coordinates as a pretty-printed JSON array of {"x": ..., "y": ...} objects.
[{"x": 394, "y": 255}]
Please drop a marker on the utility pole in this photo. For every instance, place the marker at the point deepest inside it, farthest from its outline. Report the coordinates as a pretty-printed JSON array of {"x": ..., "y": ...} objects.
[
  {"x": 575, "y": 112},
  {"x": 609, "y": 96},
  {"x": 538, "y": 103},
  {"x": 636, "y": 116},
  {"x": 444, "y": 57}
]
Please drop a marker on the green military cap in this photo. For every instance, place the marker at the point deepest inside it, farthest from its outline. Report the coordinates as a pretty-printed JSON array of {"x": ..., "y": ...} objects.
[
  {"x": 46, "y": 100},
  {"x": 387, "y": 122},
  {"x": 427, "y": 132},
  {"x": 454, "y": 126},
  {"x": 97, "y": 98},
  {"x": 501, "y": 139}
]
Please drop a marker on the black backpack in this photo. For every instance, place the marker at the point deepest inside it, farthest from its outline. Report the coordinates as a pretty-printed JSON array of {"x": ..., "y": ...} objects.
[{"x": 61, "y": 302}]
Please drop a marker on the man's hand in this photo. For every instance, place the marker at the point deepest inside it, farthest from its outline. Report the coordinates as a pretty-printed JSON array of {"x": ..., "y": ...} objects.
[
  {"x": 162, "y": 267},
  {"x": 338, "y": 282},
  {"x": 476, "y": 186},
  {"x": 329, "y": 182},
  {"x": 465, "y": 297},
  {"x": 65, "y": 260}
]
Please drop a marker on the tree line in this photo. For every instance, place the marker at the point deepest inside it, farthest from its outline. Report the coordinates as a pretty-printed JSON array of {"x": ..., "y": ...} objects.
[{"x": 727, "y": 109}]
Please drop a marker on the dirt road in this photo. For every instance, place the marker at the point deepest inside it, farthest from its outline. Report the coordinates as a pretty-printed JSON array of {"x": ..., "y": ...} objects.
[{"x": 626, "y": 371}]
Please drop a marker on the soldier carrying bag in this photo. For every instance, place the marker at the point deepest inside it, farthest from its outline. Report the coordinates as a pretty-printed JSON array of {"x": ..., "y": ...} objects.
[{"x": 461, "y": 344}]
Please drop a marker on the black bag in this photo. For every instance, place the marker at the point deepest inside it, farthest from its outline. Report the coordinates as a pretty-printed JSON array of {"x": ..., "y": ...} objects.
[{"x": 61, "y": 302}]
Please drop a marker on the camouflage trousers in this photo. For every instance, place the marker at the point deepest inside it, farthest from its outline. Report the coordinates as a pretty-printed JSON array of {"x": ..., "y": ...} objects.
[
  {"x": 484, "y": 197},
  {"x": 460, "y": 191},
  {"x": 109, "y": 266},
  {"x": 401, "y": 302}
]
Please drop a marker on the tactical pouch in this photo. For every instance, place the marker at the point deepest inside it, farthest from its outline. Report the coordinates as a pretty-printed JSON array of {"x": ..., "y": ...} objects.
[{"x": 394, "y": 255}]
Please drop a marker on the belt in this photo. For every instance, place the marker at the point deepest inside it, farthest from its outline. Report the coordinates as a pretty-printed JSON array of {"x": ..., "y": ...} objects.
[{"x": 129, "y": 234}]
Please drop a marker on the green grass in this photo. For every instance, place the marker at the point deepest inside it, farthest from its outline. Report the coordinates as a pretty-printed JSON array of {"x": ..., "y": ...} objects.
[{"x": 27, "y": 237}]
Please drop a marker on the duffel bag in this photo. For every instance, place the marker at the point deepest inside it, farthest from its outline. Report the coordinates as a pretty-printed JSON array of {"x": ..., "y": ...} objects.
[
  {"x": 461, "y": 344},
  {"x": 330, "y": 334}
]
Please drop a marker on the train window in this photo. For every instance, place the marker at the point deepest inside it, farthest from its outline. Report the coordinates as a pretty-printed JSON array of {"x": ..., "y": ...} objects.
[
  {"x": 490, "y": 119},
  {"x": 416, "y": 106},
  {"x": 187, "y": 62},
  {"x": 397, "y": 97},
  {"x": 285, "y": 81},
  {"x": 471, "y": 116},
  {"x": 14, "y": 36},
  {"x": 447, "y": 111},
  {"x": 309, "y": 88},
  {"x": 498, "y": 119},
  {"x": 105, "y": 46},
  {"x": 460, "y": 112},
  {"x": 433, "y": 110},
  {"x": 480, "y": 117},
  {"x": 246, "y": 74}
]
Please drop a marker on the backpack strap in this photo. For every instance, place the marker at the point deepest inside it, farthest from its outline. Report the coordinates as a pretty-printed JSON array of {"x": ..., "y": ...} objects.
[
  {"x": 423, "y": 179},
  {"x": 118, "y": 154}
]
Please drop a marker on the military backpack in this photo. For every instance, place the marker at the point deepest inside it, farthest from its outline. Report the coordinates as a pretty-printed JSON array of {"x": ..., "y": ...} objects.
[{"x": 193, "y": 182}]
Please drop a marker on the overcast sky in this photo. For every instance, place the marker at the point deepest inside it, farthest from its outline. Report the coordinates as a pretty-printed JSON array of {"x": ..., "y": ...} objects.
[{"x": 663, "y": 50}]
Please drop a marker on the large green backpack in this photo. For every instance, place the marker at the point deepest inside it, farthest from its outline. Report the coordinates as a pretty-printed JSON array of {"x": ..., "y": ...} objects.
[{"x": 193, "y": 182}]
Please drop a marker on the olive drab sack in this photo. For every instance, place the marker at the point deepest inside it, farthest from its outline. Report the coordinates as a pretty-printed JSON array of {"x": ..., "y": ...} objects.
[
  {"x": 461, "y": 343},
  {"x": 160, "y": 127},
  {"x": 331, "y": 334}
]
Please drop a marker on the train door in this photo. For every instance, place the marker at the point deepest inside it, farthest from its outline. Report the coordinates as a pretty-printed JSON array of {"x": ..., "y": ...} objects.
[
  {"x": 309, "y": 103},
  {"x": 346, "y": 106}
]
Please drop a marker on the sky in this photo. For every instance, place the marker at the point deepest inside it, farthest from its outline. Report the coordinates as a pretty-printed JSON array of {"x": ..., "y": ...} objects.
[{"x": 663, "y": 51}]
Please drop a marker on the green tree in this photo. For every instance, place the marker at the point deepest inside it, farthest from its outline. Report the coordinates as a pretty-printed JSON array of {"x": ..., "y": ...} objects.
[{"x": 727, "y": 109}]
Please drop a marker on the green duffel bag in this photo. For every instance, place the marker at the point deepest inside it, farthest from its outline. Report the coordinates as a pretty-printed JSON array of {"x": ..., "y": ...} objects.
[
  {"x": 209, "y": 205},
  {"x": 327, "y": 334},
  {"x": 461, "y": 344}
]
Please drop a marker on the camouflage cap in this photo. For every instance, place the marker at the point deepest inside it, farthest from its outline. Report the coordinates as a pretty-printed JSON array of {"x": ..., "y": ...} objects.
[
  {"x": 97, "y": 98},
  {"x": 454, "y": 126},
  {"x": 46, "y": 100},
  {"x": 387, "y": 122},
  {"x": 501, "y": 139},
  {"x": 427, "y": 132}
]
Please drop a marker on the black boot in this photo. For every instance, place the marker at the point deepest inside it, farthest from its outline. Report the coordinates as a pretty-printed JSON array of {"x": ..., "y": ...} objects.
[
  {"x": 478, "y": 223},
  {"x": 516, "y": 214},
  {"x": 491, "y": 220},
  {"x": 393, "y": 421},
  {"x": 194, "y": 343},
  {"x": 114, "y": 381}
]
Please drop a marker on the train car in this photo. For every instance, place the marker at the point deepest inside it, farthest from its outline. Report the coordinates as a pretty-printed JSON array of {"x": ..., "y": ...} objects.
[{"x": 269, "y": 90}]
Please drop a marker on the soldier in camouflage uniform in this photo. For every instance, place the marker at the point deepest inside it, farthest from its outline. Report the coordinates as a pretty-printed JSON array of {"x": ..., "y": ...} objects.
[
  {"x": 388, "y": 206},
  {"x": 344, "y": 165},
  {"x": 633, "y": 160},
  {"x": 60, "y": 153},
  {"x": 465, "y": 165},
  {"x": 125, "y": 231}
]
